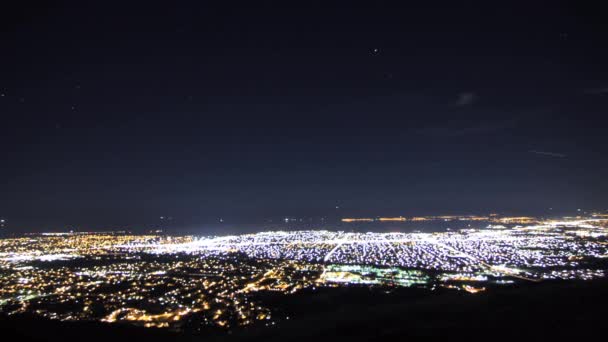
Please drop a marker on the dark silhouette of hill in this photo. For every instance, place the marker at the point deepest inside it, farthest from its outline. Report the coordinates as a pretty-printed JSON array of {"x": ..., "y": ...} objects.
[{"x": 546, "y": 310}]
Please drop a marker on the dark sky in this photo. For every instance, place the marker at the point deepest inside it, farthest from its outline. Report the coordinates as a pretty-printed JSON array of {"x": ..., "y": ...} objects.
[{"x": 116, "y": 113}]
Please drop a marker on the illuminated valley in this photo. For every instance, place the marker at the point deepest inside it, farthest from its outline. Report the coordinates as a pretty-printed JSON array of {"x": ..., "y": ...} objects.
[{"x": 191, "y": 283}]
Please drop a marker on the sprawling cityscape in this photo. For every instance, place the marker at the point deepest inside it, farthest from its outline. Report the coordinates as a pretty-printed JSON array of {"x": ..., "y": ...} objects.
[{"x": 217, "y": 282}]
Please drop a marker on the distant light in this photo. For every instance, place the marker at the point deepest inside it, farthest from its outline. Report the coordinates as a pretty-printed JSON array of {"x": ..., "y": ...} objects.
[
  {"x": 392, "y": 219},
  {"x": 348, "y": 219}
]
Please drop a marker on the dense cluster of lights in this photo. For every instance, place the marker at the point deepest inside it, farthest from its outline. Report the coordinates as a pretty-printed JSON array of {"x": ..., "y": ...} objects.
[
  {"x": 194, "y": 282},
  {"x": 527, "y": 251}
]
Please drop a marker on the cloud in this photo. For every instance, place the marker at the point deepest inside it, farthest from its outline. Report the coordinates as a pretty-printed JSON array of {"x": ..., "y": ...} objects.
[
  {"x": 550, "y": 154},
  {"x": 458, "y": 129},
  {"x": 466, "y": 98},
  {"x": 597, "y": 91}
]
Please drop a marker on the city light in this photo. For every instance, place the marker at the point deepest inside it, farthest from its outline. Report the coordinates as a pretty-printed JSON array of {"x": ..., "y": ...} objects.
[{"x": 167, "y": 281}]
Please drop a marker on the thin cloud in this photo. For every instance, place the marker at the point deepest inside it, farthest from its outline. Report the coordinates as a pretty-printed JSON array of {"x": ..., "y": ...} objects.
[
  {"x": 466, "y": 99},
  {"x": 472, "y": 129},
  {"x": 597, "y": 91},
  {"x": 550, "y": 154}
]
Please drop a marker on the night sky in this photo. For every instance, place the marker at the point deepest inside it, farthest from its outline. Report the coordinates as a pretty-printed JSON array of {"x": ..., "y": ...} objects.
[{"x": 114, "y": 114}]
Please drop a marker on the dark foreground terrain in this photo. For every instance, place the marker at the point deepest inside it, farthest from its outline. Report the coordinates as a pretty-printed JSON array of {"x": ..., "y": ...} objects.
[{"x": 547, "y": 310}]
